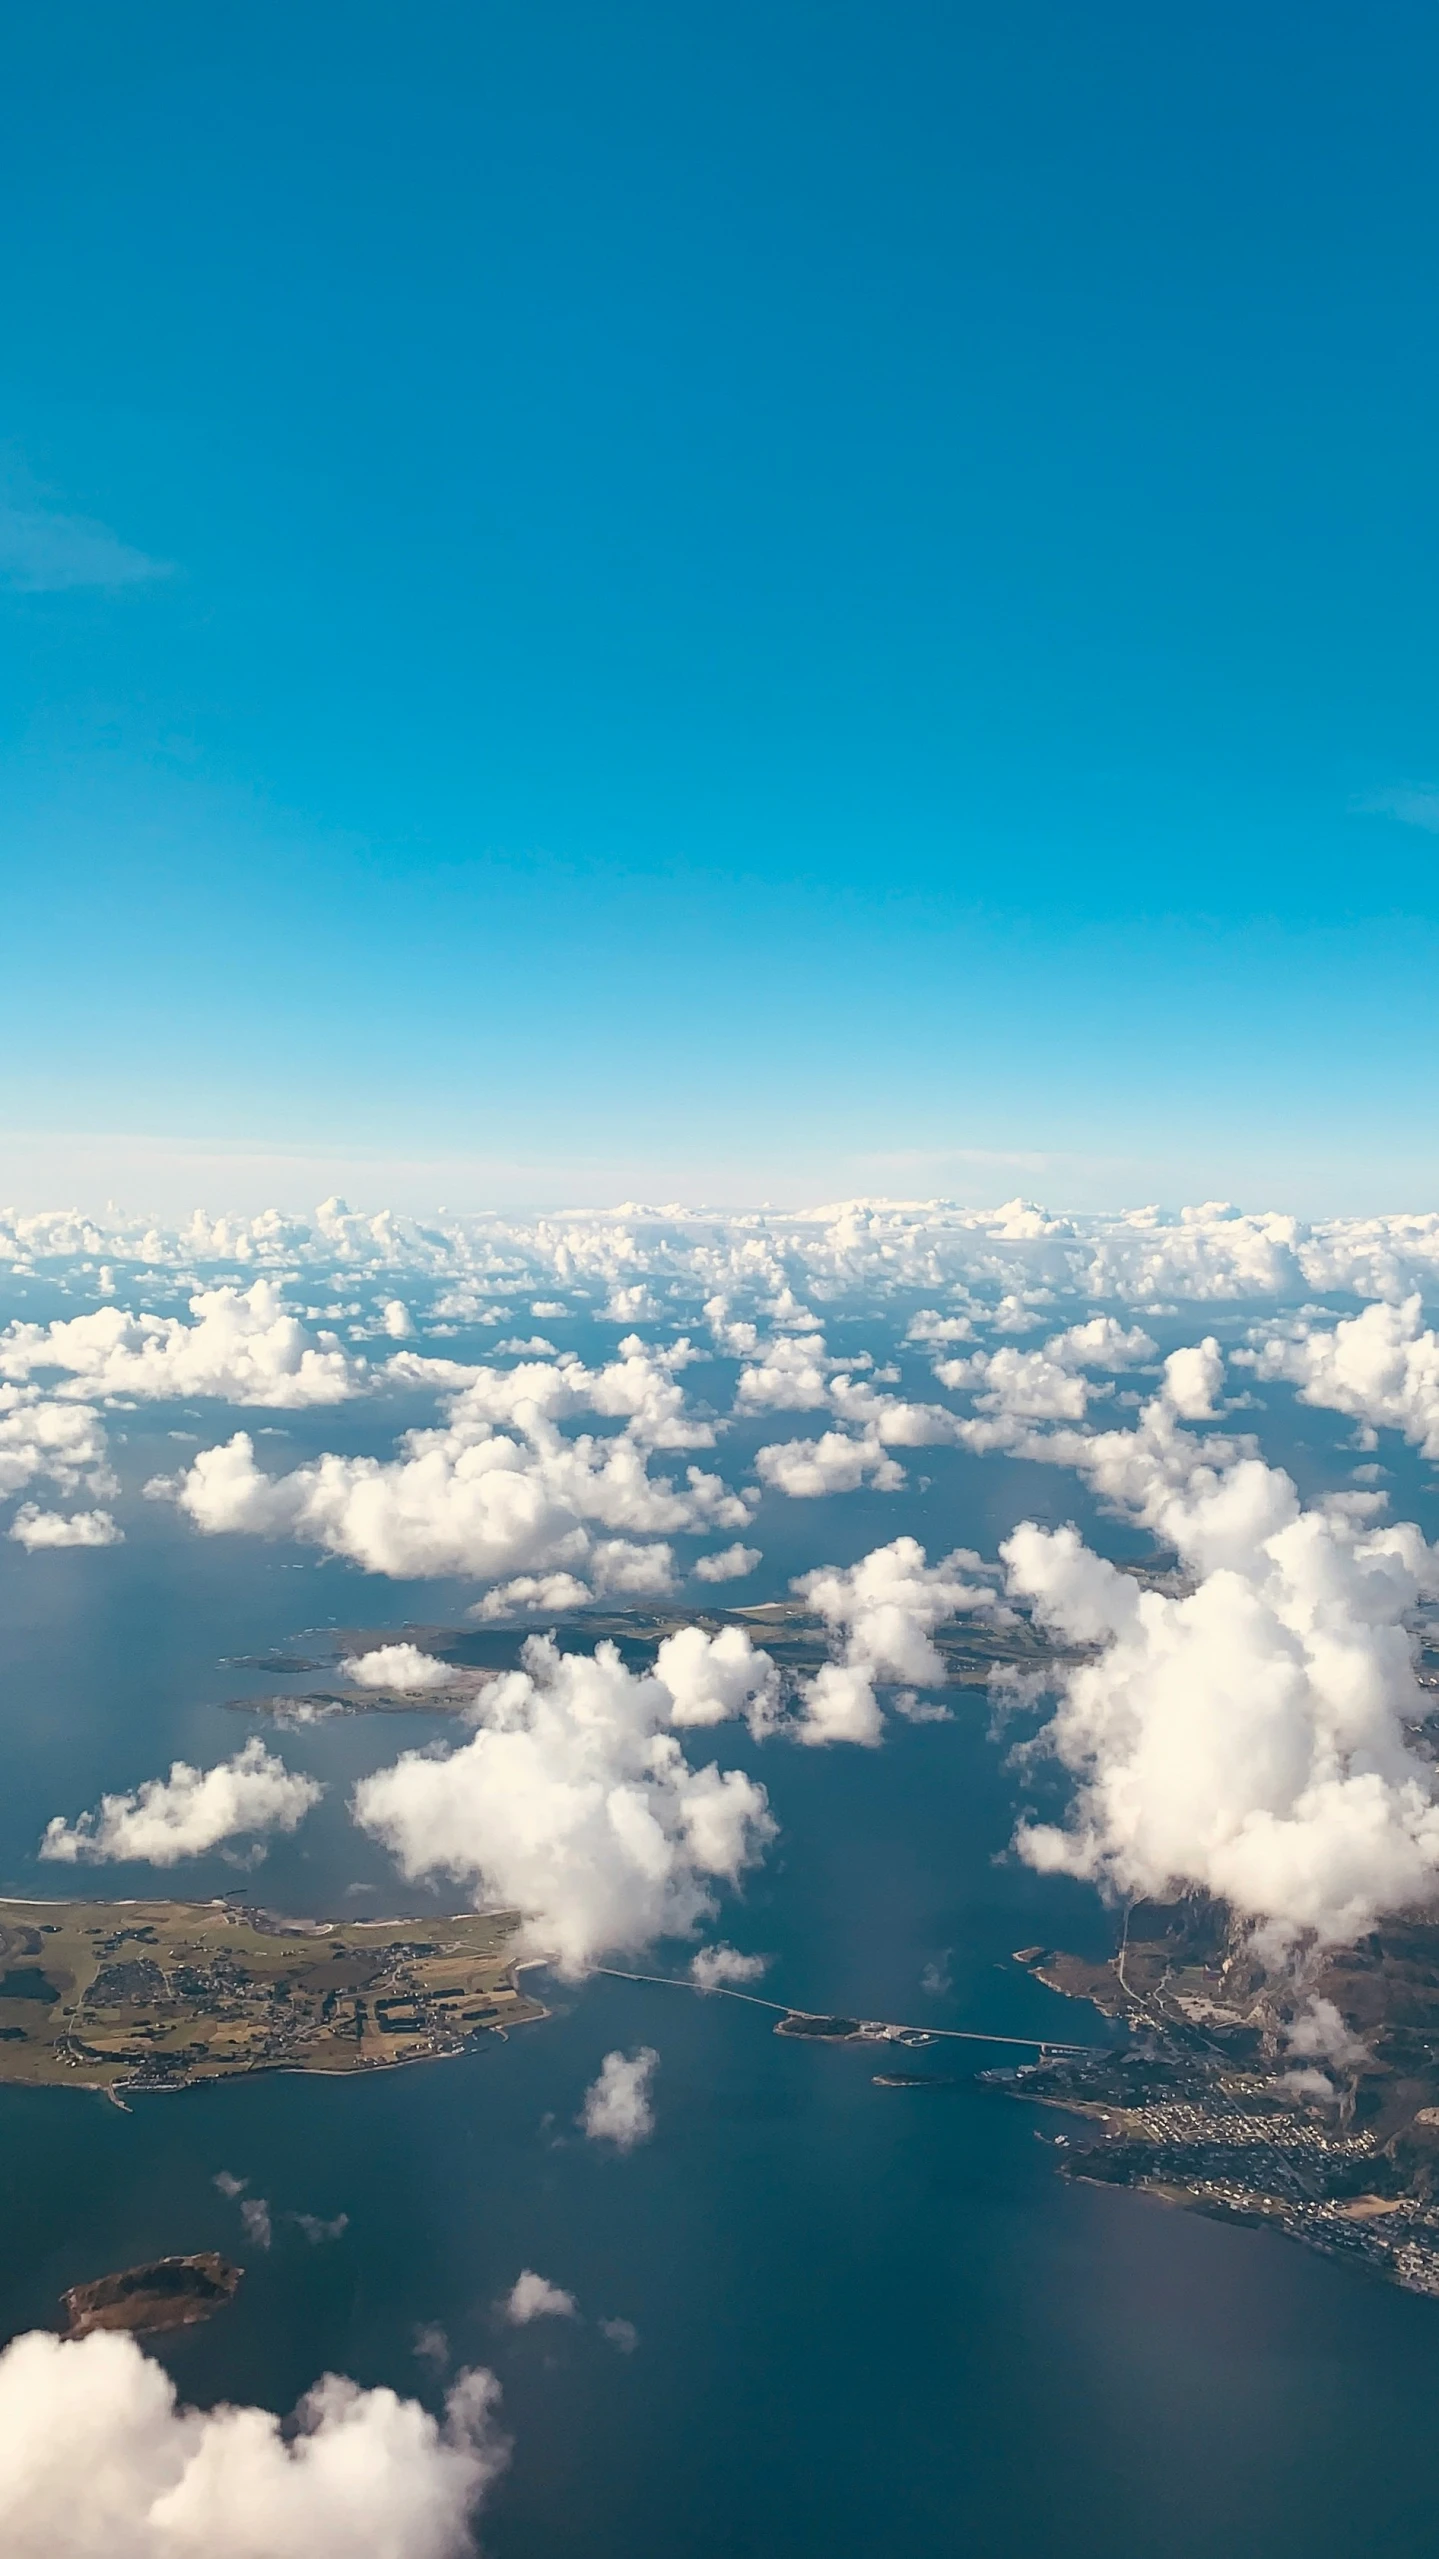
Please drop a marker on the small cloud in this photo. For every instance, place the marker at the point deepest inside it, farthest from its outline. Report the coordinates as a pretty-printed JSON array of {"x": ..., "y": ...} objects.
[
  {"x": 230, "y": 2186},
  {"x": 1413, "y": 804},
  {"x": 34, "y": 1528},
  {"x": 729, "y": 1565},
  {"x": 720, "y": 1967},
  {"x": 259, "y": 2228},
  {"x": 317, "y": 2231},
  {"x": 617, "y": 2104},
  {"x": 44, "y": 552},
  {"x": 938, "y": 1978},
  {"x": 921, "y": 1710},
  {"x": 431, "y": 2346},
  {"x": 621, "y": 2333},
  {"x": 534, "y": 2297}
]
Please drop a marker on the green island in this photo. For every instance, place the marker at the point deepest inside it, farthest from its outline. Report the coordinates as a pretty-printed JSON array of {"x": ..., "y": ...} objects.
[
  {"x": 1308, "y": 2106},
  {"x": 159, "y": 1994}
]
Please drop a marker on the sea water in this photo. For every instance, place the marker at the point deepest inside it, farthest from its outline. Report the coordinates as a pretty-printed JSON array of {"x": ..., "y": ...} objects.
[{"x": 865, "y": 2320}]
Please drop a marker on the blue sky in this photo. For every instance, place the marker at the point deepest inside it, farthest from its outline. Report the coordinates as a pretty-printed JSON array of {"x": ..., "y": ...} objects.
[{"x": 719, "y": 602}]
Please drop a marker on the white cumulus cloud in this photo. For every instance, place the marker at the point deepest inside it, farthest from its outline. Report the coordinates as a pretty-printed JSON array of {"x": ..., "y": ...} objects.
[
  {"x": 574, "y": 1803},
  {"x": 242, "y": 1347},
  {"x": 1249, "y": 1735},
  {"x": 1381, "y": 1368},
  {"x": 464, "y": 1500},
  {"x": 884, "y": 1611},
  {"x": 36, "y": 1530},
  {"x": 186, "y": 1813},
  {"x": 398, "y": 1666},
  {"x": 810, "y": 1469},
  {"x": 730, "y": 1564},
  {"x": 618, "y": 2105},
  {"x": 101, "y": 2457}
]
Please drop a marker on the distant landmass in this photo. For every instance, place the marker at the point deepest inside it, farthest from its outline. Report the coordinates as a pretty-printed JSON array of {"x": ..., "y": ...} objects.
[
  {"x": 1310, "y": 2107},
  {"x": 156, "y": 1994}
]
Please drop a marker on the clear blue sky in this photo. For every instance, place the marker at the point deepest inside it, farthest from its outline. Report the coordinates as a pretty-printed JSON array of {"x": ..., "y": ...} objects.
[{"x": 746, "y": 600}]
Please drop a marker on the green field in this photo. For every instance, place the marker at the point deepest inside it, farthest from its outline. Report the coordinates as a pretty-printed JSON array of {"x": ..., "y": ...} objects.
[{"x": 158, "y": 1993}]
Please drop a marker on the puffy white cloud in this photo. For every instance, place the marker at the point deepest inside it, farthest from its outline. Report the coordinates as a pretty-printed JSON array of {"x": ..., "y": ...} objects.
[
  {"x": 35, "y": 1529},
  {"x": 712, "y": 1678},
  {"x": 723, "y": 1967},
  {"x": 531, "y": 1593},
  {"x": 1381, "y": 1368},
  {"x": 396, "y": 1319},
  {"x": 738, "y": 1338},
  {"x": 100, "y": 2457},
  {"x": 638, "y": 1388},
  {"x": 41, "y": 1441},
  {"x": 188, "y": 1812},
  {"x": 533, "y": 2296},
  {"x": 622, "y": 2333},
  {"x": 620, "y": 1569},
  {"x": 618, "y": 2105},
  {"x": 930, "y": 1326},
  {"x": 242, "y": 1347},
  {"x": 464, "y": 1500},
  {"x": 574, "y": 1804},
  {"x": 398, "y": 1666},
  {"x": 1248, "y": 1736},
  {"x": 889, "y": 1418},
  {"x": 886, "y": 1610},
  {"x": 840, "y": 1706},
  {"x": 1192, "y": 1379},
  {"x": 1018, "y": 1385},
  {"x": 730, "y": 1564},
  {"x": 792, "y": 1375},
  {"x": 809, "y": 1469}
]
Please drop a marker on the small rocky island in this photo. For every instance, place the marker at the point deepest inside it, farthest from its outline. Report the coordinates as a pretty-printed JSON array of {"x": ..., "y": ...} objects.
[{"x": 171, "y": 2292}]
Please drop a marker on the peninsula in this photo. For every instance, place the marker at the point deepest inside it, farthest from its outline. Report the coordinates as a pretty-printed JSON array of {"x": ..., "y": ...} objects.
[
  {"x": 1307, "y": 2105},
  {"x": 157, "y": 1994}
]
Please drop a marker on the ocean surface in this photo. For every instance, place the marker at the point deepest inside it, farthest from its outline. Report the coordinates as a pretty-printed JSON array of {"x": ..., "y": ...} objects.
[{"x": 866, "y": 2320}]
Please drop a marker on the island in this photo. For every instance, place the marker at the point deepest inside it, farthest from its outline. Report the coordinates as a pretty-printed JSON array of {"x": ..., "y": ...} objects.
[
  {"x": 171, "y": 2292},
  {"x": 143, "y": 1995},
  {"x": 1307, "y": 2105},
  {"x": 475, "y": 1656}
]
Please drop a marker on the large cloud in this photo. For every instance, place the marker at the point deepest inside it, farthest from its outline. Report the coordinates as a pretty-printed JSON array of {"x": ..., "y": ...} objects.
[
  {"x": 188, "y": 1812},
  {"x": 1381, "y": 1368},
  {"x": 575, "y": 1804},
  {"x": 100, "y": 2458},
  {"x": 242, "y": 1347},
  {"x": 1249, "y": 1735},
  {"x": 465, "y": 1499}
]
